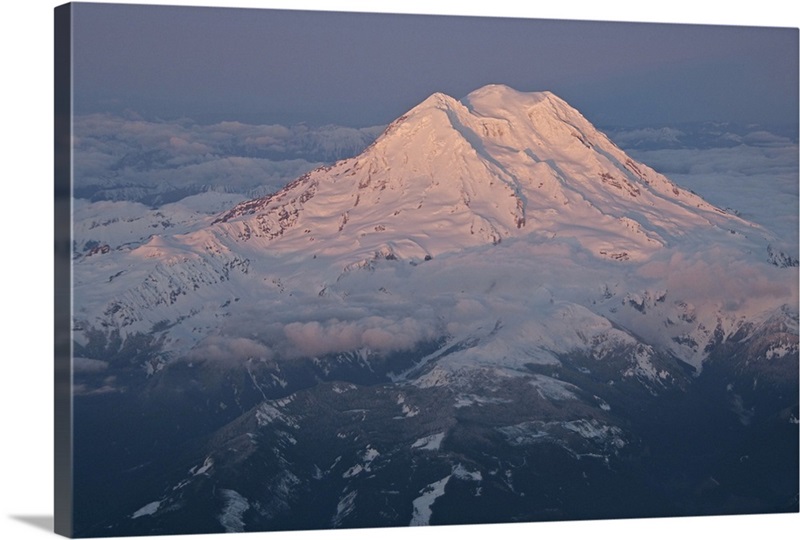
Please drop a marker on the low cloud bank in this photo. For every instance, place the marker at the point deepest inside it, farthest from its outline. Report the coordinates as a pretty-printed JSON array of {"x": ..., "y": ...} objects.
[
  {"x": 225, "y": 349},
  {"x": 719, "y": 278},
  {"x": 129, "y": 158},
  {"x": 316, "y": 338}
]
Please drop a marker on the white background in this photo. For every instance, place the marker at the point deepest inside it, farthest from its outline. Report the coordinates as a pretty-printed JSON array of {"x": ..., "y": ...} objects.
[{"x": 26, "y": 245}]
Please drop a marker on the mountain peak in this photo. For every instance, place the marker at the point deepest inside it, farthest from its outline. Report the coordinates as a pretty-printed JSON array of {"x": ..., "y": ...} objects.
[
  {"x": 490, "y": 99},
  {"x": 451, "y": 174},
  {"x": 501, "y": 93},
  {"x": 438, "y": 100}
]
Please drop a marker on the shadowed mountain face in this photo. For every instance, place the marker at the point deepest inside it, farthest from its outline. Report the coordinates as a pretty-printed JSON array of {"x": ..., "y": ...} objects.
[{"x": 492, "y": 314}]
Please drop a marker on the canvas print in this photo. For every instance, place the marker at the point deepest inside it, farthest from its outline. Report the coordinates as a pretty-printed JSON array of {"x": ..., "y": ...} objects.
[{"x": 339, "y": 270}]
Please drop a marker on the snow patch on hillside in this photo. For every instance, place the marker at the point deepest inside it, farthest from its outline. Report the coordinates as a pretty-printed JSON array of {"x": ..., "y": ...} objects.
[
  {"x": 233, "y": 510},
  {"x": 422, "y": 505},
  {"x": 431, "y": 442}
]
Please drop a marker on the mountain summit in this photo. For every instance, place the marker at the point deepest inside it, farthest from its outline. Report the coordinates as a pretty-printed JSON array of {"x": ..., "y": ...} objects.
[{"x": 450, "y": 174}]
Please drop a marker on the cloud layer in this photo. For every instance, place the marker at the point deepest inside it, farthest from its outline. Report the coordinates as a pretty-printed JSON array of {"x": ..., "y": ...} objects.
[
  {"x": 756, "y": 178},
  {"x": 129, "y": 158}
]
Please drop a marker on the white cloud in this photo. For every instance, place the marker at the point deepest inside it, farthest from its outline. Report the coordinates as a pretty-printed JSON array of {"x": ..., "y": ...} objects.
[
  {"x": 716, "y": 277},
  {"x": 229, "y": 350},
  {"x": 377, "y": 333},
  {"x": 759, "y": 182},
  {"x": 133, "y": 159},
  {"x": 88, "y": 365}
]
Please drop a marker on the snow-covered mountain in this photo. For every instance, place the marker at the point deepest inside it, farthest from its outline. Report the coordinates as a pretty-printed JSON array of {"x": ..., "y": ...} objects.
[
  {"x": 491, "y": 277},
  {"x": 448, "y": 178},
  {"x": 453, "y": 174}
]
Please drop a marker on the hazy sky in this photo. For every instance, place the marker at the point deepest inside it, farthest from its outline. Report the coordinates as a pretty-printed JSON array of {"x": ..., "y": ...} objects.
[{"x": 269, "y": 66}]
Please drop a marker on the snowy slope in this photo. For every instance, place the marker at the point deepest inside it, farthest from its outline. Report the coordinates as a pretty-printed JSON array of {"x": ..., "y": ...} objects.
[
  {"x": 504, "y": 224},
  {"x": 450, "y": 174}
]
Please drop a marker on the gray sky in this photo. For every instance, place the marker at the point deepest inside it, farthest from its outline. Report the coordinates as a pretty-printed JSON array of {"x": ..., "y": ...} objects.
[{"x": 268, "y": 66}]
